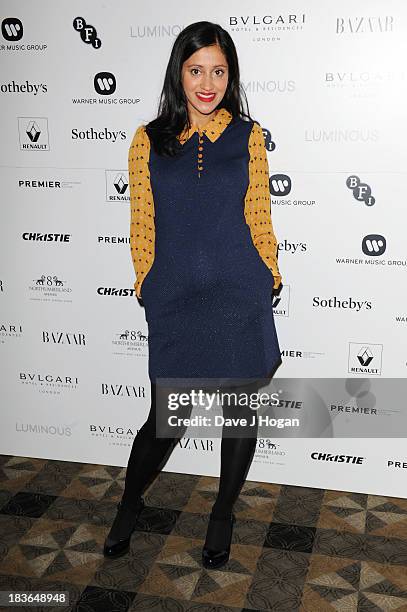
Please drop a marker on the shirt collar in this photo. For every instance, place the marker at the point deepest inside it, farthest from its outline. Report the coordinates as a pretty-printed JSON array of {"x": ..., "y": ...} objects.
[{"x": 213, "y": 129}]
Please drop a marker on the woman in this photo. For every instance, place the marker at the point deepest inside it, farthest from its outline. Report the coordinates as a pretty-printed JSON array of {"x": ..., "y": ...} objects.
[{"x": 205, "y": 257}]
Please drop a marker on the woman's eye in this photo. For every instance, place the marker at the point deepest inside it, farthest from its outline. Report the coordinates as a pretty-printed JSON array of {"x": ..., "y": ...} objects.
[
  {"x": 219, "y": 71},
  {"x": 195, "y": 71}
]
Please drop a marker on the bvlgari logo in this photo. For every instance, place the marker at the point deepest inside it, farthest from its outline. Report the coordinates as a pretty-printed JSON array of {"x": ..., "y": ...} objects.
[
  {"x": 49, "y": 384},
  {"x": 33, "y": 133},
  {"x": 50, "y": 288},
  {"x": 362, "y": 25},
  {"x": 117, "y": 186},
  {"x": 264, "y": 22},
  {"x": 87, "y": 32},
  {"x": 9, "y": 331},
  {"x": 362, "y": 192},
  {"x": 365, "y": 359}
]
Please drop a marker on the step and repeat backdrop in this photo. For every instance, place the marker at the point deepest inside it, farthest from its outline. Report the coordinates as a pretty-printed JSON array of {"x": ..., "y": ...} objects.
[{"x": 327, "y": 82}]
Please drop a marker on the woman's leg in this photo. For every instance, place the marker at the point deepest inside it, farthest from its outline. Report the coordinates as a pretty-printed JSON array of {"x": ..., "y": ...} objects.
[
  {"x": 148, "y": 455},
  {"x": 236, "y": 452}
]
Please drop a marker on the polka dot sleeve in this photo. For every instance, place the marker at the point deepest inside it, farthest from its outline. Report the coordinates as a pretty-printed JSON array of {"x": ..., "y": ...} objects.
[
  {"x": 142, "y": 228},
  {"x": 257, "y": 207}
]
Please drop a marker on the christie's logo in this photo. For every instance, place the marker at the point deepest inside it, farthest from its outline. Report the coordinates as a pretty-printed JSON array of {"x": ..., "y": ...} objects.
[
  {"x": 116, "y": 292},
  {"x": 33, "y": 133},
  {"x": 38, "y": 237},
  {"x": 87, "y": 32},
  {"x": 66, "y": 338},
  {"x": 117, "y": 186},
  {"x": 361, "y": 191},
  {"x": 365, "y": 358},
  {"x": 337, "y": 458},
  {"x": 363, "y": 25}
]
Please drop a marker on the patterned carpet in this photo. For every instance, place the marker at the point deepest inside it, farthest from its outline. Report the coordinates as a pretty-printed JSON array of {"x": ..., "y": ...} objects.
[{"x": 293, "y": 548}]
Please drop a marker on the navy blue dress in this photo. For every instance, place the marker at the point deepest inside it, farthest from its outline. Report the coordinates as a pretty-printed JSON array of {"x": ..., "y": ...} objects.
[{"x": 208, "y": 294}]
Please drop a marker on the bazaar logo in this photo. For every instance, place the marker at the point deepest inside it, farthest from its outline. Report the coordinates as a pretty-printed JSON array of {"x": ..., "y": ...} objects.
[{"x": 363, "y": 25}]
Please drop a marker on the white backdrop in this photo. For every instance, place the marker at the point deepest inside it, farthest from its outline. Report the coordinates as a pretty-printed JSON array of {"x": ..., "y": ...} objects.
[{"x": 327, "y": 83}]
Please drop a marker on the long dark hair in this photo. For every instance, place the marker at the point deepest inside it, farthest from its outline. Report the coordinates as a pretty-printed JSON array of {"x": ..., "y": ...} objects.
[{"x": 172, "y": 111}]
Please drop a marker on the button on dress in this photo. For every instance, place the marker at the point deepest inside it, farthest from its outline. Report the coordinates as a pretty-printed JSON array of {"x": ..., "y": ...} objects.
[{"x": 205, "y": 253}]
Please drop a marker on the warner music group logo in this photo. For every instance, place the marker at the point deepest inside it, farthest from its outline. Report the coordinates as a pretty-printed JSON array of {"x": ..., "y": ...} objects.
[
  {"x": 105, "y": 85},
  {"x": 12, "y": 30},
  {"x": 373, "y": 246},
  {"x": 365, "y": 359}
]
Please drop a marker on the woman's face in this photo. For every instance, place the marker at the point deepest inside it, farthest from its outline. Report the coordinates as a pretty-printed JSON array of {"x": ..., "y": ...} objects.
[{"x": 204, "y": 79}]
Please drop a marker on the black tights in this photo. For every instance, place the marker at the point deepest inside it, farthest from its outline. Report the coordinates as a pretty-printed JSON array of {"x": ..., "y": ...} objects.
[{"x": 149, "y": 453}]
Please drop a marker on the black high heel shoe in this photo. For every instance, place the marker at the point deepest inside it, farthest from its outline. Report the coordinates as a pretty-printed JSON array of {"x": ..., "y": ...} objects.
[
  {"x": 216, "y": 550},
  {"x": 117, "y": 542}
]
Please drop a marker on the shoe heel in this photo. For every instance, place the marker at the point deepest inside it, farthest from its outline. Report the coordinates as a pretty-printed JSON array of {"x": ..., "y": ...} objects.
[{"x": 211, "y": 558}]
